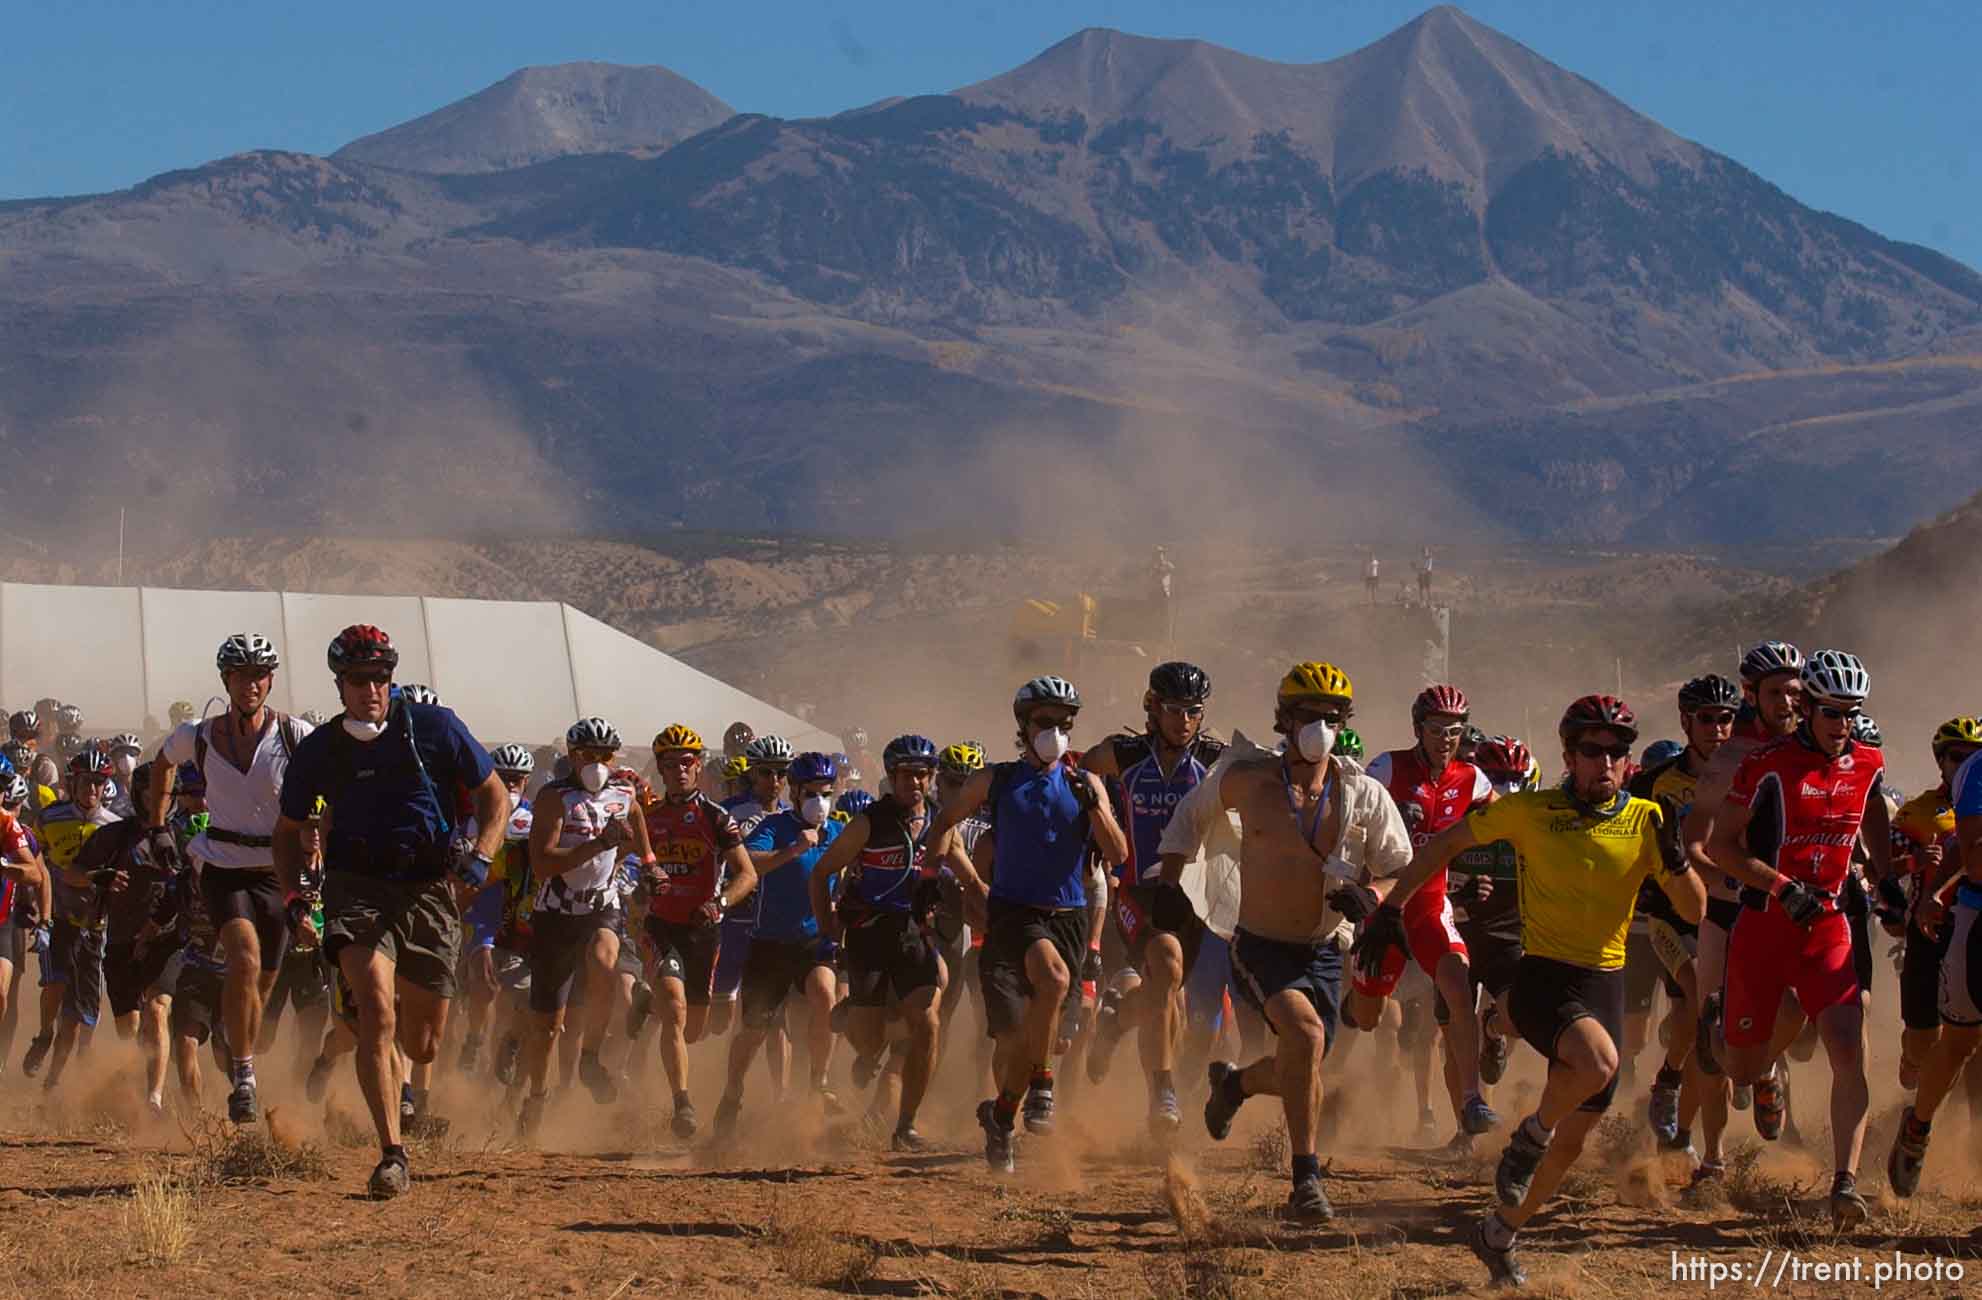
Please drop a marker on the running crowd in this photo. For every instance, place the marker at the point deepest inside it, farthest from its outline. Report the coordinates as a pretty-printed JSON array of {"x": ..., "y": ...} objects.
[{"x": 368, "y": 872}]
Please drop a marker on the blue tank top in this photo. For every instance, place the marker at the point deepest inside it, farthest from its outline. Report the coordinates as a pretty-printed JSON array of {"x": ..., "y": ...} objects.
[
  {"x": 1148, "y": 797},
  {"x": 884, "y": 872},
  {"x": 1042, "y": 837}
]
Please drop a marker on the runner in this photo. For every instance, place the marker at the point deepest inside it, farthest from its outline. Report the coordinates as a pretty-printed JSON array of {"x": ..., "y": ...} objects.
[
  {"x": 493, "y": 920},
  {"x": 579, "y": 826},
  {"x": 1961, "y": 970},
  {"x": 1920, "y": 829},
  {"x": 73, "y": 965},
  {"x": 703, "y": 870},
  {"x": 1311, "y": 826},
  {"x": 1585, "y": 847},
  {"x": 1154, "y": 771},
  {"x": 1043, "y": 814},
  {"x": 243, "y": 755},
  {"x": 1806, "y": 797},
  {"x": 961, "y": 944},
  {"x": 1434, "y": 788},
  {"x": 1681, "y": 1090},
  {"x": 769, "y": 758},
  {"x": 24, "y": 895},
  {"x": 388, "y": 773},
  {"x": 880, "y": 923},
  {"x": 787, "y": 954}
]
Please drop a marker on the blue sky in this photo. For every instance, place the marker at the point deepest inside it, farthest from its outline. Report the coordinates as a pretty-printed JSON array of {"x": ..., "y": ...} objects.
[{"x": 1869, "y": 111}]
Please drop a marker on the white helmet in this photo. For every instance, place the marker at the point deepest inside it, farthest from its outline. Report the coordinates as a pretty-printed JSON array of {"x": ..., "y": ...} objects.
[
  {"x": 247, "y": 650},
  {"x": 1044, "y": 690},
  {"x": 1835, "y": 677},
  {"x": 592, "y": 733}
]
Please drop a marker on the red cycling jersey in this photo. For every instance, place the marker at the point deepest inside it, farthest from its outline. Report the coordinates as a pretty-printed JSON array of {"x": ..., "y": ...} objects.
[
  {"x": 1429, "y": 802},
  {"x": 689, "y": 837},
  {"x": 1805, "y": 807}
]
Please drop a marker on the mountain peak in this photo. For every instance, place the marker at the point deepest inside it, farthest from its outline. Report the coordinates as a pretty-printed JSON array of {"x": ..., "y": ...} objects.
[{"x": 543, "y": 112}]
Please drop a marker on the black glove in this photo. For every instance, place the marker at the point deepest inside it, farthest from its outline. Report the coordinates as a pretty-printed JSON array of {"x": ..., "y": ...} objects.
[
  {"x": 1081, "y": 783},
  {"x": 1800, "y": 903},
  {"x": 1672, "y": 846},
  {"x": 1383, "y": 931},
  {"x": 1170, "y": 908},
  {"x": 1090, "y": 970},
  {"x": 163, "y": 846},
  {"x": 1355, "y": 902},
  {"x": 1892, "y": 899}
]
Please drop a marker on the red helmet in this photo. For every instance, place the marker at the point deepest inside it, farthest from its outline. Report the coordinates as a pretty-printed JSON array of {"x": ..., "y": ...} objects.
[
  {"x": 362, "y": 646},
  {"x": 1440, "y": 699},
  {"x": 1504, "y": 755},
  {"x": 1598, "y": 711}
]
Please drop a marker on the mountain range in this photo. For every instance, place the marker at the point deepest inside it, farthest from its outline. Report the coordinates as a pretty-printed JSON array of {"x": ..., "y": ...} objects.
[{"x": 1438, "y": 285}]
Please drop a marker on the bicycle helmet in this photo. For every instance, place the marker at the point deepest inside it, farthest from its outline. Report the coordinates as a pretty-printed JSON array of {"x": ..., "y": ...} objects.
[
  {"x": 1470, "y": 741},
  {"x": 67, "y": 746},
  {"x": 189, "y": 779},
  {"x": 853, "y": 802},
  {"x": 1314, "y": 680},
  {"x": 181, "y": 712},
  {"x": 769, "y": 751},
  {"x": 361, "y": 646},
  {"x": 912, "y": 750},
  {"x": 857, "y": 737},
  {"x": 69, "y": 720},
  {"x": 1767, "y": 658},
  {"x": 1180, "y": 682},
  {"x": 812, "y": 766},
  {"x": 1660, "y": 751},
  {"x": 1045, "y": 690},
  {"x": 738, "y": 737},
  {"x": 14, "y": 792},
  {"x": 91, "y": 760},
  {"x": 961, "y": 759},
  {"x": 19, "y": 756},
  {"x": 1712, "y": 691},
  {"x": 24, "y": 725},
  {"x": 592, "y": 733},
  {"x": 1506, "y": 760},
  {"x": 1349, "y": 743},
  {"x": 1835, "y": 677},
  {"x": 1593, "y": 711},
  {"x": 124, "y": 742},
  {"x": 247, "y": 650},
  {"x": 1866, "y": 732},
  {"x": 314, "y": 718},
  {"x": 1961, "y": 732},
  {"x": 415, "y": 693},
  {"x": 735, "y": 769},
  {"x": 678, "y": 736},
  {"x": 513, "y": 759},
  {"x": 1440, "y": 699}
]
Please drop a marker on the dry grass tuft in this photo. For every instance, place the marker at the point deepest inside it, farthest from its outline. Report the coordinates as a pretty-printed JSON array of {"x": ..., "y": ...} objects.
[
  {"x": 1204, "y": 1272},
  {"x": 224, "y": 1155},
  {"x": 160, "y": 1218},
  {"x": 1269, "y": 1150},
  {"x": 811, "y": 1256},
  {"x": 1185, "y": 1201}
]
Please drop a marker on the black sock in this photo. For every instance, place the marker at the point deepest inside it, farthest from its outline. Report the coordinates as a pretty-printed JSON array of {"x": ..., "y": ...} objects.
[
  {"x": 1671, "y": 1076},
  {"x": 1498, "y": 1232},
  {"x": 1683, "y": 1138},
  {"x": 1042, "y": 1078},
  {"x": 394, "y": 1153},
  {"x": 1306, "y": 1167}
]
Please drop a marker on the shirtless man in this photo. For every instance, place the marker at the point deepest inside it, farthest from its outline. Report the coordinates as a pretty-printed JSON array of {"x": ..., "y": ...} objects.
[{"x": 1311, "y": 828}]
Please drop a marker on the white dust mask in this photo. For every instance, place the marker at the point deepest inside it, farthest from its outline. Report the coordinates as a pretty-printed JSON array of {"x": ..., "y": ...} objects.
[
  {"x": 1051, "y": 744},
  {"x": 1316, "y": 740}
]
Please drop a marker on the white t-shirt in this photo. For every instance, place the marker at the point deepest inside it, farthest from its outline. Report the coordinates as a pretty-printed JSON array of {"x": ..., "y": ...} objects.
[{"x": 246, "y": 803}]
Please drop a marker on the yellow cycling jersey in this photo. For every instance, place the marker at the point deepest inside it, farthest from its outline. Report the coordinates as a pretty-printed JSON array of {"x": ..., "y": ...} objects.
[
  {"x": 1925, "y": 818},
  {"x": 1579, "y": 872}
]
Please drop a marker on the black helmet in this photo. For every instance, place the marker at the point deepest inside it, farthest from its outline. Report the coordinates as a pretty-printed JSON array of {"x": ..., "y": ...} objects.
[
  {"x": 1710, "y": 692},
  {"x": 1594, "y": 711},
  {"x": 1181, "y": 682},
  {"x": 1767, "y": 658}
]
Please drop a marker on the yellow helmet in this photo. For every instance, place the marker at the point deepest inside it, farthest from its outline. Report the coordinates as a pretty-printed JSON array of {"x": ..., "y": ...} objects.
[
  {"x": 735, "y": 769},
  {"x": 1957, "y": 731},
  {"x": 676, "y": 736},
  {"x": 961, "y": 759},
  {"x": 1313, "y": 680}
]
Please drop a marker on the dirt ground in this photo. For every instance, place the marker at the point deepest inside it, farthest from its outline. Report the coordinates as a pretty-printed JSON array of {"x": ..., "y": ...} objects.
[{"x": 98, "y": 1202}]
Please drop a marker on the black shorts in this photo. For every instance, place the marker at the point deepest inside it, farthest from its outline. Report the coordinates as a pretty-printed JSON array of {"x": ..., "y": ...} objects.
[
  {"x": 953, "y": 971},
  {"x": 626, "y": 963},
  {"x": 413, "y": 924},
  {"x": 1492, "y": 953},
  {"x": 1009, "y": 933},
  {"x": 1549, "y": 996},
  {"x": 773, "y": 971},
  {"x": 1132, "y": 918},
  {"x": 196, "y": 1002},
  {"x": 1643, "y": 972},
  {"x": 252, "y": 894},
  {"x": 686, "y": 953},
  {"x": 304, "y": 982},
  {"x": 1264, "y": 968},
  {"x": 558, "y": 943},
  {"x": 1861, "y": 947},
  {"x": 128, "y": 976},
  {"x": 75, "y": 961},
  {"x": 1722, "y": 913},
  {"x": 1920, "y": 978},
  {"x": 888, "y": 957},
  {"x": 13, "y": 945}
]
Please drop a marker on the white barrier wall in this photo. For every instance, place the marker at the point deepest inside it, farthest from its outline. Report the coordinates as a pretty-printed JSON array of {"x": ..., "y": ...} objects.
[
  {"x": 504, "y": 666},
  {"x": 183, "y": 629},
  {"x": 80, "y": 645}
]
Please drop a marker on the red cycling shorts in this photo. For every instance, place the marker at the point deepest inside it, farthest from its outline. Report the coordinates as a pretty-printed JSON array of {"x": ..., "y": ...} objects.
[
  {"x": 1429, "y": 934},
  {"x": 1769, "y": 955}
]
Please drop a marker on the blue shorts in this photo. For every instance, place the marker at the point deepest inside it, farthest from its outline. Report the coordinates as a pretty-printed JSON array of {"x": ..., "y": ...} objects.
[
  {"x": 1264, "y": 968},
  {"x": 1204, "y": 987},
  {"x": 730, "y": 959}
]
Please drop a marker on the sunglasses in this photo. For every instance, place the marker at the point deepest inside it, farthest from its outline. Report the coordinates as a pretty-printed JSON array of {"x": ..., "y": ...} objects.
[
  {"x": 1836, "y": 714},
  {"x": 1610, "y": 753},
  {"x": 1714, "y": 717},
  {"x": 1449, "y": 731},
  {"x": 94, "y": 780},
  {"x": 1334, "y": 717},
  {"x": 679, "y": 758},
  {"x": 1181, "y": 710},
  {"x": 367, "y": 679}
]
